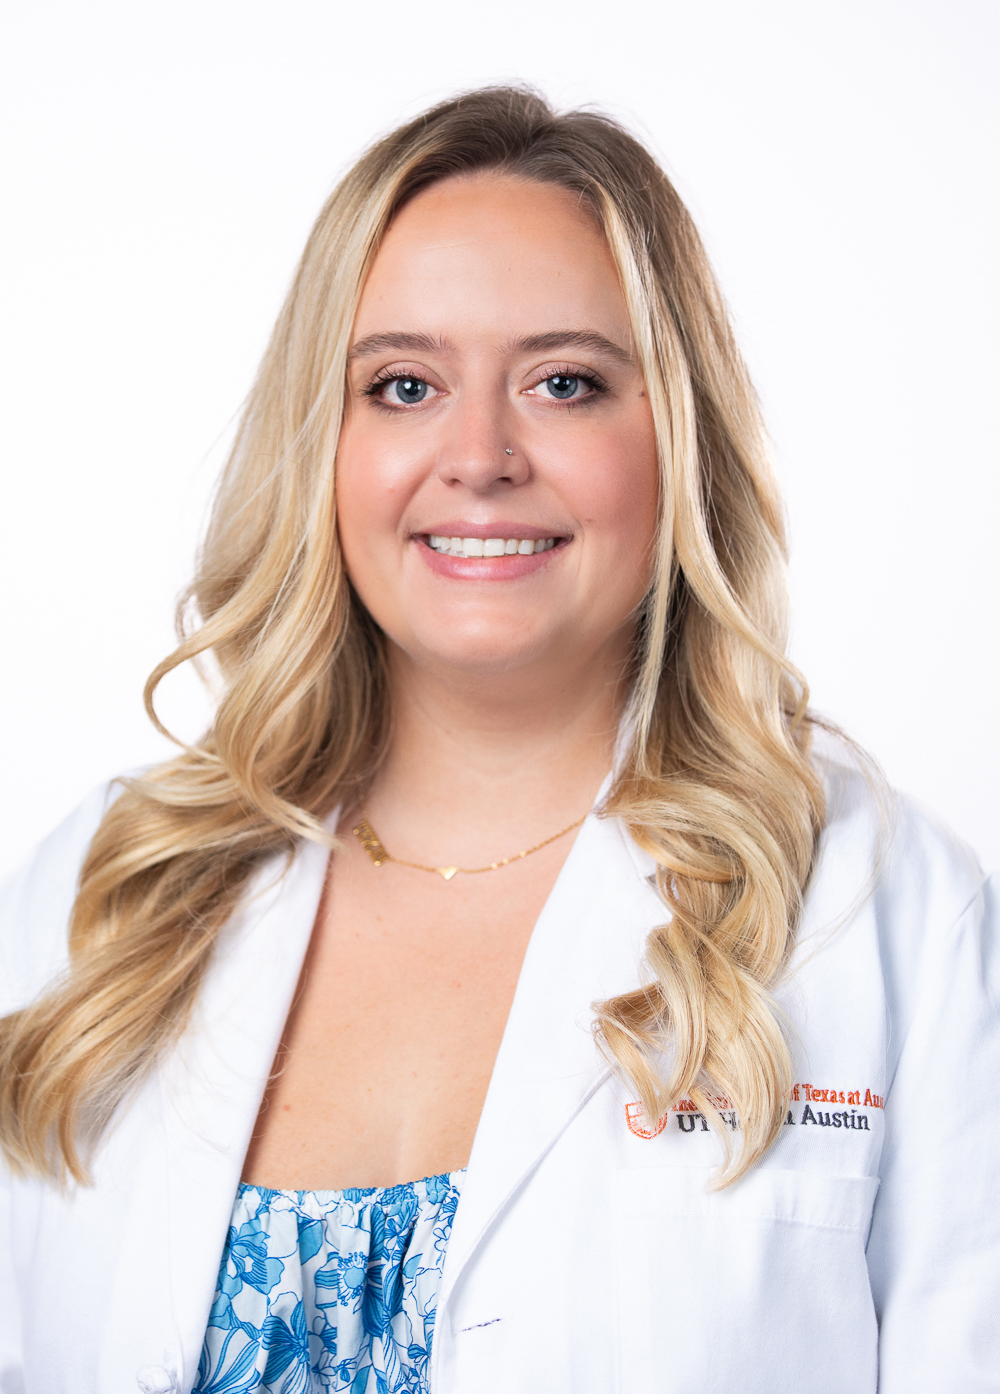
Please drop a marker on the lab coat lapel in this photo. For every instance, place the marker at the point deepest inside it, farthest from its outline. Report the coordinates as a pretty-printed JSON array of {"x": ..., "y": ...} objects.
[
  {"x": 586, "y": 945},
  {"x": 197, "y": 1116}
]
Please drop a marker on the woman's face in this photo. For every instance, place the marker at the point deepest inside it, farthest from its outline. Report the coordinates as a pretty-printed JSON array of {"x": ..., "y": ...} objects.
[{"x": 496, "y": 475}]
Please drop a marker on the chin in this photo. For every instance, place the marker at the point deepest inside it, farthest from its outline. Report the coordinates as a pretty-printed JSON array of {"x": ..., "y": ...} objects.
[{"x": 487, "y": 649}]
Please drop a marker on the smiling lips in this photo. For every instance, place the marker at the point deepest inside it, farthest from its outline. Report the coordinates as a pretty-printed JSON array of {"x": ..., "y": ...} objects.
[{"x": 489, "y": 546}]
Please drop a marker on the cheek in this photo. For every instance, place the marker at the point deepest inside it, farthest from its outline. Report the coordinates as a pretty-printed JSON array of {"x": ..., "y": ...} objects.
[
  {"x": 365, "y": 514},
  {"x": 372, "y": 490},
  {"x": 350, "y": 512},
  {"x": 619, "y": 491}
]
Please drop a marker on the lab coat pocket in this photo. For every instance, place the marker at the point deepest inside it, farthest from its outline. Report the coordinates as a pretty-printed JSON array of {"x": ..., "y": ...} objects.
[{"x": 761, "y": 1288}]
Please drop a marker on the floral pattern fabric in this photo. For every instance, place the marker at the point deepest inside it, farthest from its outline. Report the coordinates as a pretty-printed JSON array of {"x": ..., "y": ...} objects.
[{"x": 329, "y": 1290}]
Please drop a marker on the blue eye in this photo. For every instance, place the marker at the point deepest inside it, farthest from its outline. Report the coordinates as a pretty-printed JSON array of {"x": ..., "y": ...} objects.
[
  {"x": 568, "y": 387},
  {"x": 573, "y": 388},
  {"x": 406, "y": 390}
]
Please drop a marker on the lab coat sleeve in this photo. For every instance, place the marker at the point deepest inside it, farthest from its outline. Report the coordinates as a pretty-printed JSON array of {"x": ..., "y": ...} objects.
[
  {"x": 36, "y": 903},
  {"x": 35, "y": 907},
  {"x": 11, "y": 1356},
  {"x": 934, "y": 1246}
]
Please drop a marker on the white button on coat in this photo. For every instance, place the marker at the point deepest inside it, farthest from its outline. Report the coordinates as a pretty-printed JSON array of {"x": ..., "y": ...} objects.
[{"x": 154, "y": 1379}]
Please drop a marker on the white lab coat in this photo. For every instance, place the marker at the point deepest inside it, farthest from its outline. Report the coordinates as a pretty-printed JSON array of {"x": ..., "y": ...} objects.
[{"x": 863, "y": 1251}]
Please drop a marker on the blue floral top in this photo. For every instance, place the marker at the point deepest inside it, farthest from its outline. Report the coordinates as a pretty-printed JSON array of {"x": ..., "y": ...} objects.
[{"x": 329, "y": 1290}]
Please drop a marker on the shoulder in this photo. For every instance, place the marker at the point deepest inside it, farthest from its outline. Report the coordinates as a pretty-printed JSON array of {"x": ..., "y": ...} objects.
[
  {"x": 886, "y": 864},
  {"x": 36, "y": 902},
  {"x": 890, "y": 844}
]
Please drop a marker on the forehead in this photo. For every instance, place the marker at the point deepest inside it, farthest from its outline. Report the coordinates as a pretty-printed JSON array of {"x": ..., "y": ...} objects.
[{"x": 493, "y": 254}]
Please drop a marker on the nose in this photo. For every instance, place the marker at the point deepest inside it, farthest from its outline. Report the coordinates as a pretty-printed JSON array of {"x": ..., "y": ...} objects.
[{"x": 480, "y": 450}]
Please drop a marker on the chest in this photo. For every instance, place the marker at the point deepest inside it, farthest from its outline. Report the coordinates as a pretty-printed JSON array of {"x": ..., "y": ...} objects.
[{"x": 403, "y": 999}]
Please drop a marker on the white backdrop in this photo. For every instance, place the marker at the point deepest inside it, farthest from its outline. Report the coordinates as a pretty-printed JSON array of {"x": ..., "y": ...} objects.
[{"x": 162, "y": 164}]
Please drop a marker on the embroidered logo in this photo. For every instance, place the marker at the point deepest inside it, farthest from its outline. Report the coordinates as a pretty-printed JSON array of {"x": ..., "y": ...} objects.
[
  {"x": 809, "y": 1094},
  {"x": 638, "y": 1124},
  {"x": 836, "y": 1096},
  {"x": 689, "y": 1116},
  {"x": 685, "y": 1111}
]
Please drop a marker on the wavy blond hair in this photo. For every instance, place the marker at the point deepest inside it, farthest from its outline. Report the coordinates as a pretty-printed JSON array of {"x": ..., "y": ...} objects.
[{"x": 716, "y": 783}]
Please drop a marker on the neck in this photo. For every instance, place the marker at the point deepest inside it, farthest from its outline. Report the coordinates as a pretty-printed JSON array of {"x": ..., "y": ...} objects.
[{"x": 481, "y": 766}]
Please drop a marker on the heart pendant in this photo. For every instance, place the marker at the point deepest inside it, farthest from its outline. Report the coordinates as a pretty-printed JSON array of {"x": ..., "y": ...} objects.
[{"x": 447, "y": 871}]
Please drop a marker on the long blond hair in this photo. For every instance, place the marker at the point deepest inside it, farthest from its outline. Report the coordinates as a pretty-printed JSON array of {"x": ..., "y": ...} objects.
[{"x": 716, "y": 783}]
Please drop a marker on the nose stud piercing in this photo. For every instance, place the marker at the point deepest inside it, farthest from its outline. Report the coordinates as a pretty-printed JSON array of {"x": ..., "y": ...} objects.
[{"x": 508, "y": 451}]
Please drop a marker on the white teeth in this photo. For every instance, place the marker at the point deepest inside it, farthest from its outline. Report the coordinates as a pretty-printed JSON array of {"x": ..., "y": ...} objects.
[{"x": 490, "y": 546}]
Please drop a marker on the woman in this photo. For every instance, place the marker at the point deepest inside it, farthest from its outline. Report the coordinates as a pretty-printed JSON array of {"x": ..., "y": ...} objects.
[{"x": 514, "y": 1090}]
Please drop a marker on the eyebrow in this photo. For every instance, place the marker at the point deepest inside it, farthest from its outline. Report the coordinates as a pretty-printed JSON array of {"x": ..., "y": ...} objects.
[
  {"x": 398, "y": 343},
  {"x": 573, "y": 338},
  {"x": 551, "y": 342}
]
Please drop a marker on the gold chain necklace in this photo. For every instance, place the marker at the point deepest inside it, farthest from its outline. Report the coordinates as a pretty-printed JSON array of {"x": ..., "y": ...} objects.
[{"x": 368, "y": 838}]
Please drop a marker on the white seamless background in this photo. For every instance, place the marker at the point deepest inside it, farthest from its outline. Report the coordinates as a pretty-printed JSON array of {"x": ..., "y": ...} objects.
[{"x": 162, "y": 164}]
